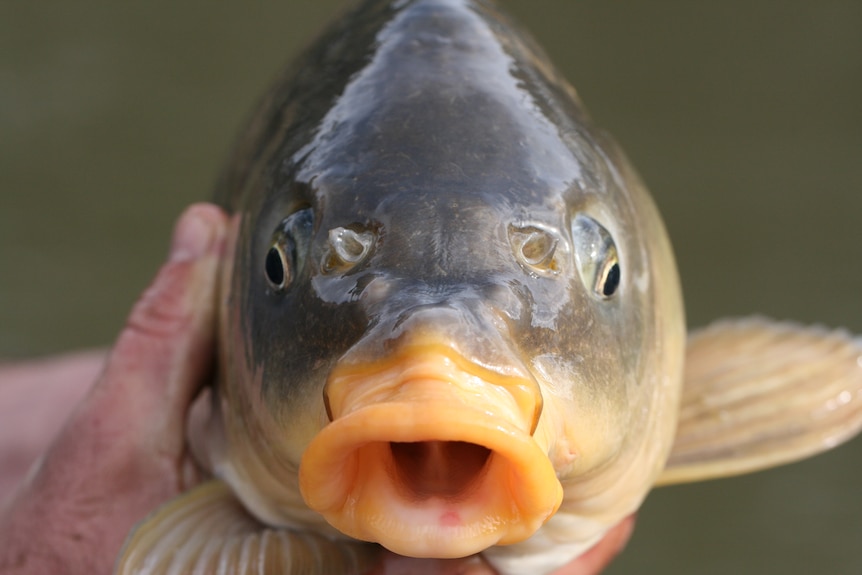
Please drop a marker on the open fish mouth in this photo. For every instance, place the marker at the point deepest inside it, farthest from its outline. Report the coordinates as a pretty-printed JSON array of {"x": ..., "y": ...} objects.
[{"x": 430, "y": 455}]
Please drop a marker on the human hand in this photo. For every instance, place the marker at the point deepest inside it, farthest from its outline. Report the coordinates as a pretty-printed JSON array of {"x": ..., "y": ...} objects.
[{"x": 122, "y": 452}]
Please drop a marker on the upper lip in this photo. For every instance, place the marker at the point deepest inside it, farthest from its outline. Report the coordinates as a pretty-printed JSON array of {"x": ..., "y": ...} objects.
[{"x": 429, "y": 361}]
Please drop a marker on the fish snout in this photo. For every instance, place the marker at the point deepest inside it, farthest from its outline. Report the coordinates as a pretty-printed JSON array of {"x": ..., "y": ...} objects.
[{"x": 430, "y": 453}]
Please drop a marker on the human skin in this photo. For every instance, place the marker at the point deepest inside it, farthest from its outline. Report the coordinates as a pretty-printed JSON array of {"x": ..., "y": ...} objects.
[
  {"x": 36, "y": 397},
  {"x": 121, "y": 451}
]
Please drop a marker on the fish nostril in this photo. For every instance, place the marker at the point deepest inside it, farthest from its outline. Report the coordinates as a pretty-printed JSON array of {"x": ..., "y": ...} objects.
[
  {"x": 445, "y": 469},
  {"x": 510, "y": 303}
]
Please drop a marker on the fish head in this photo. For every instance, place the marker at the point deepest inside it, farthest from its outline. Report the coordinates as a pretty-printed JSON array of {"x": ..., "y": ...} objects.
[{"x": 452, "y": 309}]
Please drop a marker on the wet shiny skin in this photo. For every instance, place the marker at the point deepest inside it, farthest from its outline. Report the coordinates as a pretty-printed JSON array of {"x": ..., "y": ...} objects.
[{"x": 448, "y": 223}]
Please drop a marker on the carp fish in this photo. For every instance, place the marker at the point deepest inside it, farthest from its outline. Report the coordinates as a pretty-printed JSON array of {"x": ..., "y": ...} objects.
[{"x": 450, "y": 323}]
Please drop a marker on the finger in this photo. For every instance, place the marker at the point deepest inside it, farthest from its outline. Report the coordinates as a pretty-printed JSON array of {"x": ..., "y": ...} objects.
[
  {"x": 165, "y": 350},
  {"x": 132, "y": 419}
]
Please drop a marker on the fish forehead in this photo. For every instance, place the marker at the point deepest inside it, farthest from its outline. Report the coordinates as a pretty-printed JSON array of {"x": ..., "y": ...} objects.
[
  {"x": 438, "y": 125},
  {"x": 437, "y": 121},
  {"x": 445, "y": 113}
]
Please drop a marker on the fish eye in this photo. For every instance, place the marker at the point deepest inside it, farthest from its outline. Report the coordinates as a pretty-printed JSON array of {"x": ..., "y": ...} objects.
[
  {"x": 610, "y": 278},
  {"x": 347, "y": 248},
  {"x": 534, "y": 248},
  {"x": 276, "y": 267},
  {"x": 596, "y": 256},
  {"x": 285, "y": 256}
]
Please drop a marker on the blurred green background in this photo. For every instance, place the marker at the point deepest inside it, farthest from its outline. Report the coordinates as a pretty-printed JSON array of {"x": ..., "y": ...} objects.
[{"x": 744, "y": 117}]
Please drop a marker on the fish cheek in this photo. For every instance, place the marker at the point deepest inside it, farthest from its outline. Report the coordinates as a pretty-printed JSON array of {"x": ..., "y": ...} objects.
[
  {"x": 591, "y": 398},
  {"x": 576, "y": 345},
  {"x": 290, "y": 339},
  {"x": 296, "y": 344}
]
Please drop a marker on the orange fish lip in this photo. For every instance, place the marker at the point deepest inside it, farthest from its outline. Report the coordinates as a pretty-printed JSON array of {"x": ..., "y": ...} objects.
[
  {"x": 352, "y": 386},
  {"x": 490, "y": 482}
]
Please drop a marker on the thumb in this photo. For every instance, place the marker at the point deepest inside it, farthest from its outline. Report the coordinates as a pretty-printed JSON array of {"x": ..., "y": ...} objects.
[
  {"x": 165, "y": 350},
  {"x": 135, "y": 411}
]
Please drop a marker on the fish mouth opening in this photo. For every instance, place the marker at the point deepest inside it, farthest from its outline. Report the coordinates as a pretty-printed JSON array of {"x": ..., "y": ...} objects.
[
  {"x": 442, "y": 466},
  {"x": 444, "y": 469}
]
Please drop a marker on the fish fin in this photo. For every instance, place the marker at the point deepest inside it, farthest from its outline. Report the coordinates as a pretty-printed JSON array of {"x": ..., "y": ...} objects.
[
  {"x": 759, "y": 393},
  {"x": 206, "y": 530}
]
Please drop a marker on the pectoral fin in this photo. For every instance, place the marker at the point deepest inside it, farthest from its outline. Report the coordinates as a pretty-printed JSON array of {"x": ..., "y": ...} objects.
[
  {"x": 759, "y": 393},
  {"x": 206, "y": 530}
]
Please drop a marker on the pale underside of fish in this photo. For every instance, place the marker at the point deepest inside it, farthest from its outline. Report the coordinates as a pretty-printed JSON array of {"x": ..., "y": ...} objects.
[{"x": 451, "y": 323}]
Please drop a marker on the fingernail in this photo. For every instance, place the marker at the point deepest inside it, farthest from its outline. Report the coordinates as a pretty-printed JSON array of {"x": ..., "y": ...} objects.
[{"x": 193, "y": 236}]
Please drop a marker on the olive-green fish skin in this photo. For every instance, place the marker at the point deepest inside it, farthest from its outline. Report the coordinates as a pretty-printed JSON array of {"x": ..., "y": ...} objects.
[{"x": 432, "y": 125}]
